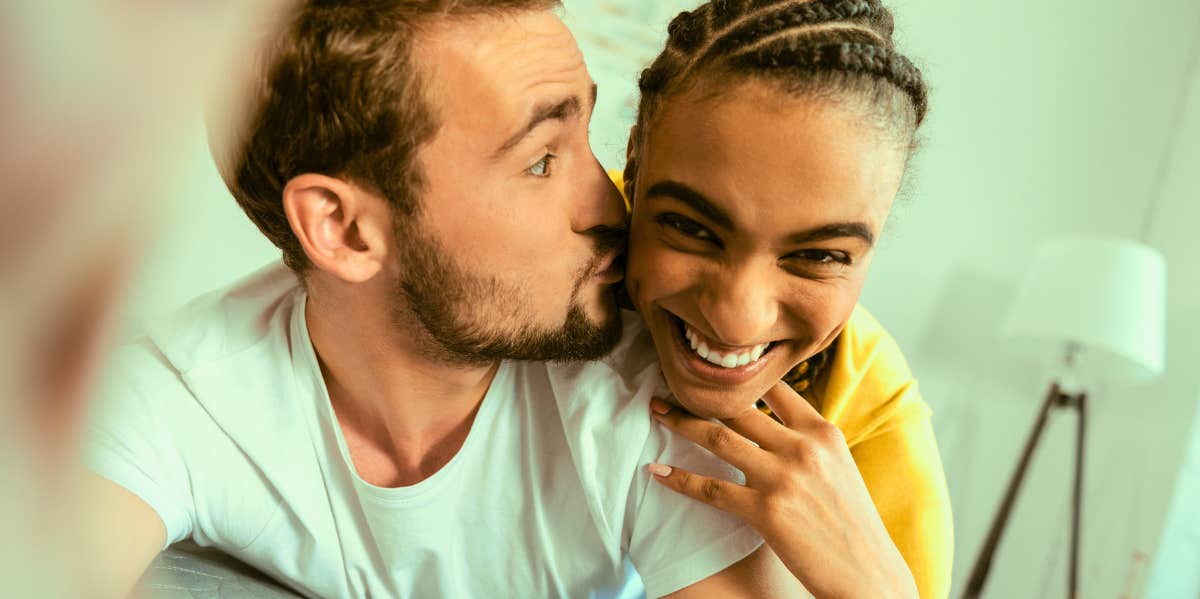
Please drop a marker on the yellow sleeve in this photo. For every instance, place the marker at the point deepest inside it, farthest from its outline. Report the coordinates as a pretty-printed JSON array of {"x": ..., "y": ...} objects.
[
  {"x": 618, "y": 179},
  {"x": 903, "y": 472},
  {"x": 872, "y": 397}
]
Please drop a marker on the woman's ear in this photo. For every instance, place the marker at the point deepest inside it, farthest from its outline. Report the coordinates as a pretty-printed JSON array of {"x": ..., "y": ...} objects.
[
  {"x": 633, "y": 131},
  {"x": 631, "y": 168},
  {"x": 344, "y": 230}
]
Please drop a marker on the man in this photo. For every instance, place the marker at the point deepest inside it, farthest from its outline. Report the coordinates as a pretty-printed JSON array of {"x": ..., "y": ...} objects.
[{"x": 373, "y": 420}]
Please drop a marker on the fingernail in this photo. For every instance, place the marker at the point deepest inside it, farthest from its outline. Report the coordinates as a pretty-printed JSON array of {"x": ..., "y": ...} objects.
[
  {"x": 660, "y": 406},
  {"x": 659, "y": 469}
]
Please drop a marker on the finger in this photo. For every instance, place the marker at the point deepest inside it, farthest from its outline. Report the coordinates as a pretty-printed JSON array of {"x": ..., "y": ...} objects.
[
  {"x": 723, "y": 441},
  {"x": 721, "y": 494},
  {"x": 789, "y": 406},
  {"x": 759, "y": 428}
]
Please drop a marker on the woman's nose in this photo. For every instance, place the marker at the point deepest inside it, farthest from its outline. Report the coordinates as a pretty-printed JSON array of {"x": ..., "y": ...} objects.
[{"x": 741, "y": 306}]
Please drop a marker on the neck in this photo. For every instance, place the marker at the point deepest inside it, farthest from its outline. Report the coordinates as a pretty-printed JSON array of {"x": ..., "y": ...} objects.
[{"x": 403, "y": 414}]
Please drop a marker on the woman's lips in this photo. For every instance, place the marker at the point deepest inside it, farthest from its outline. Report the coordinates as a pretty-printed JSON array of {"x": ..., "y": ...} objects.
[{"x": 706, "y": 371}]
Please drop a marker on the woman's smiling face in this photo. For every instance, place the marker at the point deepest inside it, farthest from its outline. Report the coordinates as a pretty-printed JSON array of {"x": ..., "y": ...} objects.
[{"x": 755, "y": 217}]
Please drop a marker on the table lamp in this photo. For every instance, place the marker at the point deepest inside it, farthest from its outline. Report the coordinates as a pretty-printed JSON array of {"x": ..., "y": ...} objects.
[{"x": 1100, "y": 302}]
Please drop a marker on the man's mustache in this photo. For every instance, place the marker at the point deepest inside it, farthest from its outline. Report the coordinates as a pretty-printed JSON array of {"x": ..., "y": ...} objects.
[{"x": 609, "y": 239}]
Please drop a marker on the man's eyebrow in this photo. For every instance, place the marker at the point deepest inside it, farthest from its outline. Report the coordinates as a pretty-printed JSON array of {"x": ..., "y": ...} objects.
[
  {"x": 560, "y": 110},
  {"x": 696, "y": 201}
]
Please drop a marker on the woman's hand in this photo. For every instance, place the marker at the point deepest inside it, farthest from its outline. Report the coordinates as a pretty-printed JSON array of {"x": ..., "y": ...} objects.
[{"x": 803, "y": 494}]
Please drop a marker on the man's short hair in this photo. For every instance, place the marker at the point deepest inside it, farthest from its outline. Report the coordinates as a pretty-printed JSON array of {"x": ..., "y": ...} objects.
[{"x": 335, "y": 91}]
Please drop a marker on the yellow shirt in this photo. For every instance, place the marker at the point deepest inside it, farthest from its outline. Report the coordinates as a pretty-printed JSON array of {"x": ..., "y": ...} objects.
[{"x": 868, "y": 391}]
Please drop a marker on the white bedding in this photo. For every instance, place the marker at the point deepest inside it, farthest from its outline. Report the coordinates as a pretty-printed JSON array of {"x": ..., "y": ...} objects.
[{"x": 186, "y": 571}]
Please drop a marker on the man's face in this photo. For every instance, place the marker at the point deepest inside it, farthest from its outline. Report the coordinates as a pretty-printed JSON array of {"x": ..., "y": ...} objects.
[{"x": 512, "y": 253}]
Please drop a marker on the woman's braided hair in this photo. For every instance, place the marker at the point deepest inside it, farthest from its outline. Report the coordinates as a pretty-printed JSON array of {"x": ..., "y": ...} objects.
[{"x": 829, "y": 49}]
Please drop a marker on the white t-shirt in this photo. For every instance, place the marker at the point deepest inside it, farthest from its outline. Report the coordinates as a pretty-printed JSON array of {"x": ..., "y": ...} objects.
[{"x": 219, "y": 419}]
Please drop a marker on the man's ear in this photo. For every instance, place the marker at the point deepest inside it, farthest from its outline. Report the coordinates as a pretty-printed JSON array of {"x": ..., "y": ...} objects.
[{"x": 344, "y": 229}]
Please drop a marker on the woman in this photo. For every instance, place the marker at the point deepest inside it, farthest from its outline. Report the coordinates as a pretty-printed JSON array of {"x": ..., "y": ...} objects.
[{"x": 771, "y": 140}]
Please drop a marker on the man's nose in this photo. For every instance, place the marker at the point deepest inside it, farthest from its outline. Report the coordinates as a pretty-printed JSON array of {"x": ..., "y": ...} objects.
[
  {"x": 599, "y": 204},
  {"x": 741, "y": 306}
]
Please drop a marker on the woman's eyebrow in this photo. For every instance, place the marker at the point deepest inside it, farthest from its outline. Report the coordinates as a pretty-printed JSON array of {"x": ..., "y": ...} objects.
[
  {"x": 694, "y": 199},
  {"x": 834, "y": 231}
]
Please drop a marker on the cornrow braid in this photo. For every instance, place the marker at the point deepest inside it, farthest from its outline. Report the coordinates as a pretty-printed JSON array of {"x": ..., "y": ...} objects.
[
  {"x": 725, "y": 12},
  {"x": 790, "y": 17},
  {"x": 852, "y": 57},
  {"x": 689, "y": 30}
]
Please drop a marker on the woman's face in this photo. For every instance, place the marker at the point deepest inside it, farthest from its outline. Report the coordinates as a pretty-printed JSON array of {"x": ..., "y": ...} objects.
[{"x": 754, "y": 223}]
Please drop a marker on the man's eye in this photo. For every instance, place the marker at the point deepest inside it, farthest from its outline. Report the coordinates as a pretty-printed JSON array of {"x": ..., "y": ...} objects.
[
  {"x": 543, "y": 168},
  {"x": 687, "y": 227}
]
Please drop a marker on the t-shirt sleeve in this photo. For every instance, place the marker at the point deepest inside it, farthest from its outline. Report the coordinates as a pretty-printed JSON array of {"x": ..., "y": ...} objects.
[
  {"x": 128, "y": 437},
  {"x": 673, "y": 540}
]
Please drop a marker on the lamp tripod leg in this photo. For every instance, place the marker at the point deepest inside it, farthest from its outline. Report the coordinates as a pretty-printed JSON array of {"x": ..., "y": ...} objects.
[
  {"x": 1080, "y": 404},
  {"x": 983, "y": 563}
]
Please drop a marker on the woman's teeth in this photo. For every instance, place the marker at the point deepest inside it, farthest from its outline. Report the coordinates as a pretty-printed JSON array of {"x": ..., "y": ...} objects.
[{"x": 728, "y": 359}]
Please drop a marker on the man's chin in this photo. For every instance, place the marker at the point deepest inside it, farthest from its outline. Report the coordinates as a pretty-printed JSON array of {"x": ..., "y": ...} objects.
[
  {"x": 604, "y": 314},
  {"x": 608, "y": 327},
  {"x": 582, "y": 336},
  {"x": 602, "y": 305}
]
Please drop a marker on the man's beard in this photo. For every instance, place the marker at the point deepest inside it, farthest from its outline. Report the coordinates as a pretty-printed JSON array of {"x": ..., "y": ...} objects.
[{"x": 473, "y": 318}]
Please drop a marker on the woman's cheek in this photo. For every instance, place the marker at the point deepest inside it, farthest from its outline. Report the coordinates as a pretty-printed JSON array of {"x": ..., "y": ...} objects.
[
  {"x": 648, "y": 265},
  {"x": 637, "y": 260},
  {"x": 667, "y": 273},
  {"x": 826, "y": 309}
]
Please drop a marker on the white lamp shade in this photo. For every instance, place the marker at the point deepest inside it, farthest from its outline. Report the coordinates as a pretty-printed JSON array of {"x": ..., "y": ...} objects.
[{"x": 1105, "y": 295}]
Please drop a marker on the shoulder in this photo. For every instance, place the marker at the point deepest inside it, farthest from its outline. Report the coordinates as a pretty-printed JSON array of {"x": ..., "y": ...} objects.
[
  {"x": 866, "y": 346},
  {"x": 221, "y": 357},
  {"x": 604, "y": 408},
  {"x": 608, "y": 400},
  {"x": 870, "y": 386},
  {"x": 137, "y": 370},
  {"x": 604, "y": 404},
  {"x": 226, "y": 321},
  {"x": 179, "y": 419}
]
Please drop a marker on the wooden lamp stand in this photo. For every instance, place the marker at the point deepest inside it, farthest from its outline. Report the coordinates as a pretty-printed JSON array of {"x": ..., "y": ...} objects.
[{"x": 1055, "y": 398}]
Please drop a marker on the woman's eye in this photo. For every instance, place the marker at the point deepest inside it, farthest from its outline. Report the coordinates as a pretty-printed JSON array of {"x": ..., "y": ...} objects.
[
  {"x": 686, "y": 227},
  {"x": 542, "y": 168},
  {"x": 823, "y": 258}
]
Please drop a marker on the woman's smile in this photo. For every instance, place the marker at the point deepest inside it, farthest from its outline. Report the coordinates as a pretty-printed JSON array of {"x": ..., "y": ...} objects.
[{"x": 715, "y": 363}]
